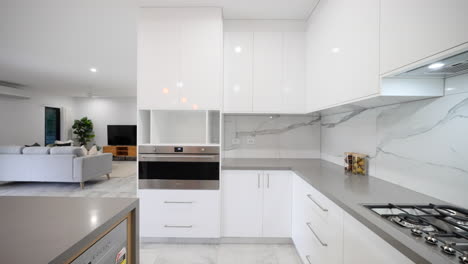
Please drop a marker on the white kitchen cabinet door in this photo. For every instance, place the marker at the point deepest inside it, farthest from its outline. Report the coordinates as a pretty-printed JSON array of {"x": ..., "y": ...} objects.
[
  {"x": 293, "y": 85},
  {"x": 268, "y": 71},
  {"x": 202, "y": 53},
  {"x": 158, "y": 59},
  {"x": 238, "y": 63},
  {"x": 277, "y": 203},
  {"x": 343, "y": 52},
  {"x": 241, "y": 203},
  {"x": 416, "y": 29},
  {"x": 363, "y": 246},
  {"x": 180, "y": 58}
]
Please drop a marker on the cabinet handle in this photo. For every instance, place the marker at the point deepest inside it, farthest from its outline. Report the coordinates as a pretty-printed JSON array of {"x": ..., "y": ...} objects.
[
  {"x": 268, "y": 180},
  {"x": 308, "y": 259},
  {"x": 312, "y": 199},
  {"x": 258, "y": 177},
  {"x": 176, "y": 202},
  {"x": 177, "y": 226},
  {"x": 315, "y": 234}
]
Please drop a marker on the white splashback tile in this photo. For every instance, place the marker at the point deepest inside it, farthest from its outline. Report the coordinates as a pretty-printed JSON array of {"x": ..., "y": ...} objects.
[
  {"x": 420, "y": 145},
  {"x": 276, "y": 136}
]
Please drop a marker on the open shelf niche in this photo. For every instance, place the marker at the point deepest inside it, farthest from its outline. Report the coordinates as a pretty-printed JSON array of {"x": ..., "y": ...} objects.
[{"x": 159, "y": 127}]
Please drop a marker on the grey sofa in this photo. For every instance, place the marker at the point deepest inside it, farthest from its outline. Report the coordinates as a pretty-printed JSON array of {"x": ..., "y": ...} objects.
[{"x": 57, "y": 164}]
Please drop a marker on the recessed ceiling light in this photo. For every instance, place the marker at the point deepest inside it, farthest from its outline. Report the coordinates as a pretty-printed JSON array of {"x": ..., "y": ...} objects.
[
  {"x": 435, "y": 66},
  {"x": 183, "y": 99},
  {"x": 335, "y": 50},
  {"x": 449, "y": 89},
  {"x": 195, "y": 106},
  {"x": 238, "y": 49},
  {"x": 165, "y": 90},
  {"x": 92, "y": 69},
  {"x": 180, "y": 84}
]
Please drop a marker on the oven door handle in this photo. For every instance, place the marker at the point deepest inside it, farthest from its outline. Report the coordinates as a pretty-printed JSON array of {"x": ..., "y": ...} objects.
[{"x": 188, "y": 158}]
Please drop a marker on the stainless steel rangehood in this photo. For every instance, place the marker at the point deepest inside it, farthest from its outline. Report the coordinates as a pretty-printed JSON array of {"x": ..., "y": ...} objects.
[
  {"x": 441, "y": 68},
  {"x": 419, "y": 81}
]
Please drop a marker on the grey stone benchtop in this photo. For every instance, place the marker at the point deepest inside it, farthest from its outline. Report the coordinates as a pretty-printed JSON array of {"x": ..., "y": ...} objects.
[
  {"x": 53, "y": 229},
  {"x": 350, "y": 192}
]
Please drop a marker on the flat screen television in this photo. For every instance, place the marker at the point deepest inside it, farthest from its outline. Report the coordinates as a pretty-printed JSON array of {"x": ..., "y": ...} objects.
[{"x": 123, "y": 135}]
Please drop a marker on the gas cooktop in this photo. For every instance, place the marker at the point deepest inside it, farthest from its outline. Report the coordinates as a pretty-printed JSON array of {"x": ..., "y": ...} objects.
[{"x": 441, "y": 226}]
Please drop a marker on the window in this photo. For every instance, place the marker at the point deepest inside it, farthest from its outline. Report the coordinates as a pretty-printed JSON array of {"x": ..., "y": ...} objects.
[{"x": 52, "y": 125}]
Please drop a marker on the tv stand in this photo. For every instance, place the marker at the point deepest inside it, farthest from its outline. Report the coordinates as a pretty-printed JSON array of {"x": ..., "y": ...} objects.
[{"x": 121, "y": 152}]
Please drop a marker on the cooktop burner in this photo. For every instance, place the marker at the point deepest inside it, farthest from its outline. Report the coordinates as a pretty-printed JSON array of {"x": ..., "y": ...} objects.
[{"x": 443, "y": 227}]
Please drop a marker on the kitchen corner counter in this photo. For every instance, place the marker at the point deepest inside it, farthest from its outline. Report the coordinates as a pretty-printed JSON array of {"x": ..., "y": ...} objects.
[
  {"x": 56, "y": 229},
  {"x": 350, "y": 192}
]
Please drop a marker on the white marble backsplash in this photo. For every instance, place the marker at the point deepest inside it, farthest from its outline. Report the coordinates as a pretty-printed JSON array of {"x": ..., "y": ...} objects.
[
  {"x": 421, "y": 145},
  {"x": 276, "y": 136}
]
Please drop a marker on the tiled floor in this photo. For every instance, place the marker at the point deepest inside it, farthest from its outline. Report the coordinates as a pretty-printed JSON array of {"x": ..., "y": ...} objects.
[
  {"x": 218, "y": 254},
  {"x": 122, "y": 184}
]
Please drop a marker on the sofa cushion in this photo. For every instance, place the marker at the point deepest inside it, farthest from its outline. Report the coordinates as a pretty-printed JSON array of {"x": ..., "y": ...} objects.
[
  {"x": 59, "y": 143},
  {"x": 36, "y": 151},
  {"x": 11, "y": 149},
  {"x": 77, "y": 151}
]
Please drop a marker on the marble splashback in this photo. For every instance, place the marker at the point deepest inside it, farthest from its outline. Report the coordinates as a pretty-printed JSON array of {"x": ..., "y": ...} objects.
[
  {"x": 275, "y": 136},
  {"x": 421, "y": 145}
]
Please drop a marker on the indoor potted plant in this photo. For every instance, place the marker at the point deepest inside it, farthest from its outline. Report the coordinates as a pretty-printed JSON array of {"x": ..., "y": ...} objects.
[{"x": 83, "y": 129}]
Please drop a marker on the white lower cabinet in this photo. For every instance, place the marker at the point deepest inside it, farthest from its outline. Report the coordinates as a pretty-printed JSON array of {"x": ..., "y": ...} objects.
[
  {"x": 256, "y": 203},
  {"x": 361, "y": 245},
  {"x": 179, "y": 213},
  {"x": 317, "y": 229}
]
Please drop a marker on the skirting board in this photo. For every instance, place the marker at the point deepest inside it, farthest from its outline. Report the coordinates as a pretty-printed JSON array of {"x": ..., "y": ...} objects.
[{"x": 223, "y": 240}]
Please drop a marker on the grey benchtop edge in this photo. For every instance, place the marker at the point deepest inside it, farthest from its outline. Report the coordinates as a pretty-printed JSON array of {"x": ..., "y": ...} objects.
[
  {"x": 328, "y": 178},
  {"x": 79, "y": 245}
]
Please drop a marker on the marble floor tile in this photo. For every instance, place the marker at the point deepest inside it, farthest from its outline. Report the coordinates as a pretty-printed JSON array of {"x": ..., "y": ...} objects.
[{"x": 218, "y": 254}]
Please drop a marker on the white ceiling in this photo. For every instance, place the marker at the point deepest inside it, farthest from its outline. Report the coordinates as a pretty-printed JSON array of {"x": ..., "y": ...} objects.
[
  {"x": 247, "y": 9},
  {"x": 49, "y": 46}
]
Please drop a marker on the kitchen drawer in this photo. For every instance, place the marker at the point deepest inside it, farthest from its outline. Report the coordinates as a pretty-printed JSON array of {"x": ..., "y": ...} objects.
[
  {"x": 179, "y": 213},
  {"x": 307, "y": 220},
  {"x": 316, "y": 201}
]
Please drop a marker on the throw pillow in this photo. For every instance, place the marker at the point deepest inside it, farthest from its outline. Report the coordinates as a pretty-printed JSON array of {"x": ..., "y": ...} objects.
[
  {"x": 85, "y": 151},
  {"x": 33, "y": 145},
  {"x": 93, "y": 151},
  {"x": 63, "y": 145}
]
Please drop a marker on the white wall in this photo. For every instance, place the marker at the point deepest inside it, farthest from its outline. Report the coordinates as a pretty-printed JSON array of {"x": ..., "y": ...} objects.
[
  {"x": 106, "y": 111},
  {"x": 22, "y": 120}
]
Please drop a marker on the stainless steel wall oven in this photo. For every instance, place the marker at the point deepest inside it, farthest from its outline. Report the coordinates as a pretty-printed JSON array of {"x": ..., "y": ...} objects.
[{"x": 178, "y": 167}]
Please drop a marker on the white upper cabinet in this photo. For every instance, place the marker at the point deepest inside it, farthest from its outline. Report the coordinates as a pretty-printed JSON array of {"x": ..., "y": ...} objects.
[
  {"x": 180, "y": 58},
  {"x": 417, "y": 29},
  {"x": 342, "y": 52},
  {"x": 264, "y": 72},
  {"x": 268, "y": 71},
  {"x": 158, "y": 59},
  {"x": 293, "y": 86},
  {"x": 238, "y": 57}
]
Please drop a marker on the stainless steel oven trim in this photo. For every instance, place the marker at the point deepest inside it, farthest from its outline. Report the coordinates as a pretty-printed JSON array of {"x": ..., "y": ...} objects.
[{"x": 179, "y": 184}]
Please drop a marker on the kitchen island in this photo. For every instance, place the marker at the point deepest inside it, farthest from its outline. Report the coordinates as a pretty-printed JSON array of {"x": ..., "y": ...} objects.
[{"x": 68, "y": 230}]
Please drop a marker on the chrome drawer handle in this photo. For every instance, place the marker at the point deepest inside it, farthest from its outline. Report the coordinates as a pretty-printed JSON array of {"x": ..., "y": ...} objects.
[
  {"x": 175, "y": 226},
  {"x": 308, "y": 259},
  {"x": 312, "y": 199},
  {"x": 176, "y": 202},
  {"x": 316, "y": 236}
]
